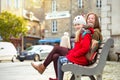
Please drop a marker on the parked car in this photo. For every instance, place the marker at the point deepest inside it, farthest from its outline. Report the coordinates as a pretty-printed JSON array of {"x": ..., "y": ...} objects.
[
  {"x": 35, "y": 52},
  {"x": 7, "y": 51}
]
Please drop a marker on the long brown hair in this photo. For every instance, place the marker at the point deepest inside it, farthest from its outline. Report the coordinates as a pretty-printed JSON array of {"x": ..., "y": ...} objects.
[{"x": 97, "y": 24}]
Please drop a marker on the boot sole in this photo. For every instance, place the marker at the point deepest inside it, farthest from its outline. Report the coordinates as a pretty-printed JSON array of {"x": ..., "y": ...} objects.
[{"x": 36, "y": 68}]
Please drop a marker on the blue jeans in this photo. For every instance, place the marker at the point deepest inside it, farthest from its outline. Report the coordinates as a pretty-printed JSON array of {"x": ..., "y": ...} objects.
[{"x": 61, "y": 61}]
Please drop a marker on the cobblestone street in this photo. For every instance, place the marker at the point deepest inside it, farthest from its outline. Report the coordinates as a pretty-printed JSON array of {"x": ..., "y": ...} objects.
[
  {"x": 26, "y": 72},
  {"x": 111, "y": 72}
]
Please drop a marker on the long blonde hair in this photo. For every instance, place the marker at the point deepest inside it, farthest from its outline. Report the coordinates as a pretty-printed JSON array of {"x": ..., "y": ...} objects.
[
  {"x": 78, "y": 20},
  {"x": 77, "y": 35}
]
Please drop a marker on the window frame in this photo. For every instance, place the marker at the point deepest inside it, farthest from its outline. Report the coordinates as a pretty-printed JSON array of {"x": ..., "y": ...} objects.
[
  {"x": 54, "y": 26},
  {"x": 98, "y": 3},
  {"x": 54, "y": 5},
  {"x": 80, "y": 3},
  {"x": 17, "y": 4}
]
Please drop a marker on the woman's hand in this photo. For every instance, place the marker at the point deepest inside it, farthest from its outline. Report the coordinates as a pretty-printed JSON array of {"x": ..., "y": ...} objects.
[
  {"x": 94, "y": 43},
  {"x": 89, "y": 25}
]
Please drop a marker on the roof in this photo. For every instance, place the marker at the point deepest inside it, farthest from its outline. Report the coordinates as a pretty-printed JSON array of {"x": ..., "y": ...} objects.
[{"x": 27, "y": 14}]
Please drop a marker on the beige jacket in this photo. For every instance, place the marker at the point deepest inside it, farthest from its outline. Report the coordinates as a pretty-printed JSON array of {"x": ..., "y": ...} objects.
[{"x": 65, "y": 41}]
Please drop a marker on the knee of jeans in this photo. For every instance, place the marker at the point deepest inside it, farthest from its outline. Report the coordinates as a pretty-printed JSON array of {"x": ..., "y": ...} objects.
[{"x": 63, "y": 60}]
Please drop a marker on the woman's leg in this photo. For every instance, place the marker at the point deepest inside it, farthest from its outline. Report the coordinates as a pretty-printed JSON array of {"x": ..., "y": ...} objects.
[
  {"x": 56, "y": 50},
  {"x": 55, "y": 57},
  {"x": 61, "y": 60},
  {"x": 61, "y": 51},
  {"x": 60, "y": 72}
]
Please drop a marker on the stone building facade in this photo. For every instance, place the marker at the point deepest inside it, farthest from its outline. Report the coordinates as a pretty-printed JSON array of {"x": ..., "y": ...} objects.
[
  {"x": 55, "y": 9},
  {"x": 110, "y": 23},
  {"x": 17, "y": 7},
  {"x": 110, "y": 20},
  {"x": 107, "y": 11},
  {"x": 34, "y": 30},
  {"x": 13, "y": 6},
  {"x": 59, "y": 15}
]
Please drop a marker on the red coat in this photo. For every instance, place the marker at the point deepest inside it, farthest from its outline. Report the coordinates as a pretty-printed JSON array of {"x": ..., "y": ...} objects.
[{"x": 77, "y": 54}]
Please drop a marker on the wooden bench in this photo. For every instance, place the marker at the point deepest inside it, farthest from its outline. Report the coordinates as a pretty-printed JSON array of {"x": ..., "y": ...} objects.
[{"x": 95, "y": 69}]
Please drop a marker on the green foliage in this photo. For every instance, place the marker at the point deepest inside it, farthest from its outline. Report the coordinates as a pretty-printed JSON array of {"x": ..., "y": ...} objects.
[{"x": 11, "y": 25}]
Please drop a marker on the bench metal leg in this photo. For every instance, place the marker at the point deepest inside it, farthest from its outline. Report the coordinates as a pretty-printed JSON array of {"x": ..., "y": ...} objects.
[
  {"x": 92, "y": 77},
  {"x": 99, "y": 77},
  {"x": 72, "y": 77},
  {"x": 118, "y": 57},
  {"x": 77, "y": 77}
]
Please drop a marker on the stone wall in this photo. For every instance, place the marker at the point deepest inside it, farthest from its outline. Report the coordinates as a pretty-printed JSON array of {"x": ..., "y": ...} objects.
[
  {"x": 109, "y": 25},
  {"x": 63, "y": 24}
]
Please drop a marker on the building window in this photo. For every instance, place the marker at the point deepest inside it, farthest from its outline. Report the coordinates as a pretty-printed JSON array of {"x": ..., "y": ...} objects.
[
  {"x": 80, "y": 4},
  {"x": 17, "y": 3},
  {"x": 98, "y": 3},
  {"x": 54, "y": 26},
  {"x": 9, "y": 2},
  {"x": 53, "y": 5},
  {"x": 29, "y": 28},
  {"x": 34, "y": 30}
]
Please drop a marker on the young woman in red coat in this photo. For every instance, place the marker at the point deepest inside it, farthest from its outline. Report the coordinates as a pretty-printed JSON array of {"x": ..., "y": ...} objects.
[{"x": 75, "y": 55}]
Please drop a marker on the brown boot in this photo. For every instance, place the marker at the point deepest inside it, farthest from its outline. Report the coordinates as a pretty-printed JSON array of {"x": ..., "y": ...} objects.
[{"x": 39, "y": 67}]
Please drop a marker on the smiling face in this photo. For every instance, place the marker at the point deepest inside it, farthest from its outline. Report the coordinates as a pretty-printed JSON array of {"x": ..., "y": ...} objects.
[
  {"x": 78, "y": 26},
  {"x": 91, "y": 19}
]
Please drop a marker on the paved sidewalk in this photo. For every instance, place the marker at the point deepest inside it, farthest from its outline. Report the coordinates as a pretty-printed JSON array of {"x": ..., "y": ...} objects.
[{"x": 111, "y": 72}]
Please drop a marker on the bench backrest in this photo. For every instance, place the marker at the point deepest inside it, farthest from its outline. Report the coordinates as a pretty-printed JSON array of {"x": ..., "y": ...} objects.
[{"x": 103, "y": 53}]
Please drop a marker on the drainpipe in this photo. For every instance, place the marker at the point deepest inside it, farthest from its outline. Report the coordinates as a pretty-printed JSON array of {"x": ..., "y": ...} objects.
[
  {"x": 0, "y": 6},
  {"x": 71, "y": 18}
]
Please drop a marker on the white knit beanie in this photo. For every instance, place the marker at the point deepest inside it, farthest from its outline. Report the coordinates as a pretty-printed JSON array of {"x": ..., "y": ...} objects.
[{"x": 79, "y": 20}]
